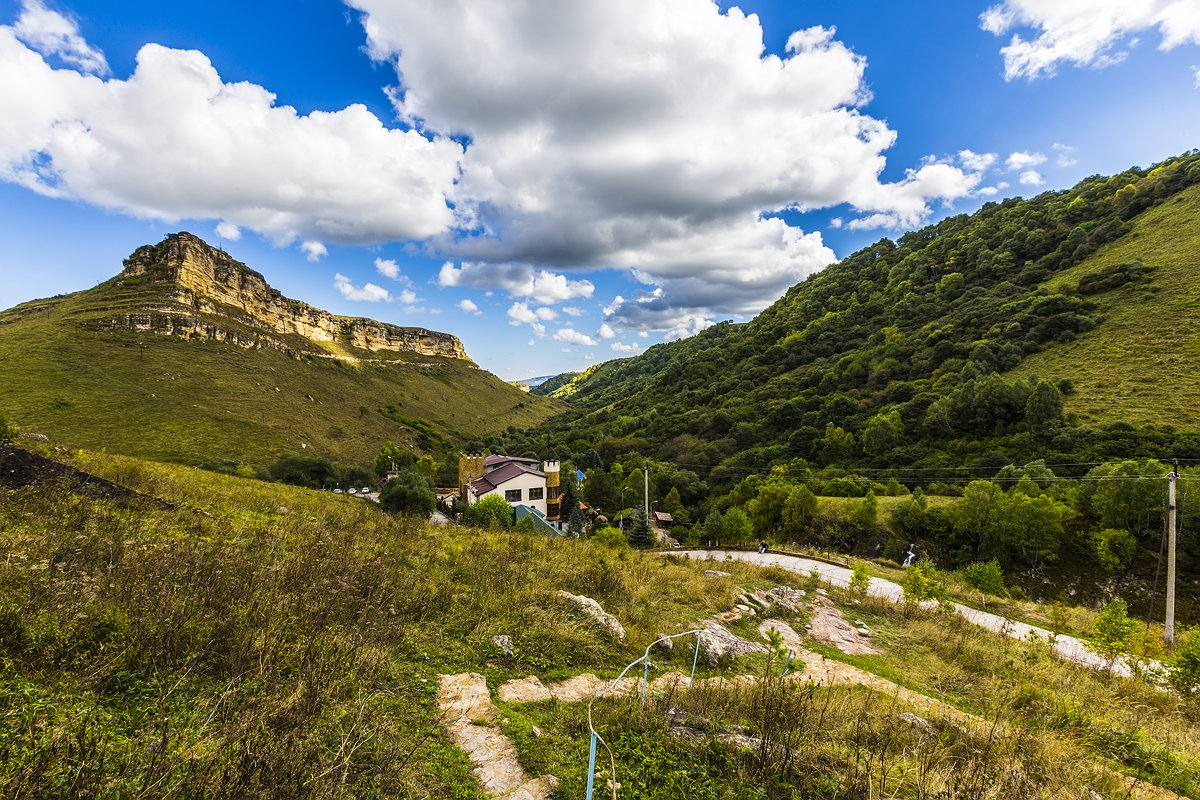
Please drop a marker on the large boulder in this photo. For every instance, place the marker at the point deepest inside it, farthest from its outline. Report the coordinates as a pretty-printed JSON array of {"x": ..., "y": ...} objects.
[{"x": 594, "y": 610}]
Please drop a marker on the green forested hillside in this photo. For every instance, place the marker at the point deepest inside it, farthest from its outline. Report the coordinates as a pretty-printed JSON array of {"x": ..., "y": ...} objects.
[
  {"x": 64, "y": 373},
  {"x": 1053, "y": 327}
]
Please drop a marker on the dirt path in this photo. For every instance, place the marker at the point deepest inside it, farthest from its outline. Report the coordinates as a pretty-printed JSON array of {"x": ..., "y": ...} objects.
[{"x": 1066, "y": 647}]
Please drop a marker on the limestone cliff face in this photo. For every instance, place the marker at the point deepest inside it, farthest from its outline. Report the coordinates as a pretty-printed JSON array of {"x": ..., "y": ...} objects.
[{"x": 210, "y": 282}]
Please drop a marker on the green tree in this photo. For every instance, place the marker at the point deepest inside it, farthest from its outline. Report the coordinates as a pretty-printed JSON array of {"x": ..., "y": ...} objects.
[
  {"x": 1044, "y": 411},
  {"x": 490, "y": 512},
  {"x": 640, "y": 535},
  {"x": 410, "y": 492},
  {"x": 798, "y": 510},
  {"x": 883, "y": 432},
  {"x": 569, "y": 500},
  {"x": 714, "y": 527},
  {"x": 356, "y": 476},
  {"x": 766, "y": 509},
  {"x": 311, "y": 471},
  {"x": 598, "y": 490},
  {"x": 737, "y": 526},
  {"x": 1114, "y": 633},
  {"x": 673, "y": 505},
  {"x": 867, "y": 512},
  {"x": 393, "y": 456},
  {"x": 1112, "y": 547},
  {"x": 978, "y": 516},
  {"x": 576, "y": 523},
  {"x": 1127, "y": 495},
  {"x": 984, "y": 576}
]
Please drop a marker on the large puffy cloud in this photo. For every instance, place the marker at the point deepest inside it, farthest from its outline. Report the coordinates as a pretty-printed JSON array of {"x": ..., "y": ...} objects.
[
  {"x": 174, "y": 141},
  {"x": 655, "y": 135},
  {"x": 518, "y": 280},
  {"x": 1084, "y": 32}
]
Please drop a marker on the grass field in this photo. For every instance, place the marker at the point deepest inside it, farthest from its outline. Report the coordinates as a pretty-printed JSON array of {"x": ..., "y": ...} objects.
[{"x": 261, "y": 640}]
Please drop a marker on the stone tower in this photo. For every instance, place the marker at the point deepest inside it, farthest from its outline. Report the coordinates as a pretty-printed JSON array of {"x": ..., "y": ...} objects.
[
  {"x": 552, "y": 500},
  {"x": 471, "y": 466}
]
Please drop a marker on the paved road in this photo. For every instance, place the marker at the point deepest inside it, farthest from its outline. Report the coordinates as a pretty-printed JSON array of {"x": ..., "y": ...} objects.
[{"x": 1066, "y": 646}]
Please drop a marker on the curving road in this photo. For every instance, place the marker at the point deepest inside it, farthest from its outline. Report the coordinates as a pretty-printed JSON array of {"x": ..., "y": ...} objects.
[{"x": 1066, "y": 647}]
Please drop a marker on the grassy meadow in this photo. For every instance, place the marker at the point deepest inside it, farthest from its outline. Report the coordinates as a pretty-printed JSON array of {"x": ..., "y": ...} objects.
[
  {"x": 1142, "y": 363},
  {"x": 259, "y": 640}
]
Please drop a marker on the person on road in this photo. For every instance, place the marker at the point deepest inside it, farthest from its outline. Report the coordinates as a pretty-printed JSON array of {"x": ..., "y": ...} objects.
[{"x": 762, "y": 546}]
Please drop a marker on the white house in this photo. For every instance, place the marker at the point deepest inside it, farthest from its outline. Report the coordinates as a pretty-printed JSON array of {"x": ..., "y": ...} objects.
[{"x": 518, "y": 480}]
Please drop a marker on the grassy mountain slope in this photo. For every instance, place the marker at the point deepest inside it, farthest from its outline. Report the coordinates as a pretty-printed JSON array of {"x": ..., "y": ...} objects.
[
  {"x": 65, "y": 374},
  {"x": 1142, "y": 362},
  {"x": 245, "y": 639},
  {"x": 919, "y": 352}
]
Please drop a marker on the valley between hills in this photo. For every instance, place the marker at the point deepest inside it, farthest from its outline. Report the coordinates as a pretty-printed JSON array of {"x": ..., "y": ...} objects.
[{"x": 976, "y": 419}]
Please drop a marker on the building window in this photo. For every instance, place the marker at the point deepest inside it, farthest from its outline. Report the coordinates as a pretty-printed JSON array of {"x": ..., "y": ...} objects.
[
  {"x": 512, "y": 495},
  {"x": 535, "y": 493},
  {"x": 552, "y": 492}
]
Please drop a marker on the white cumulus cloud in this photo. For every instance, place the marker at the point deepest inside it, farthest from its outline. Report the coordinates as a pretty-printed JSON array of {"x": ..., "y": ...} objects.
[
  {"x": 468, "y": 307},
  {"x": 174, "y": 141},
  {"x": 50, "y": 33},
  {"x": 388, "y": 268},
  {"x": 368, "y": 293},
  {"x": 228, "y": 231},
  {"x": 619, "y": 347},
  {"x": 572, "y": 336},
  {"x": 314, "y": 251},
  {"x": 1031, "y": 177},
  {"x": 518, "y": 280},
  {"x": 653, "y": 135},
  {"x": 1086, "y": 33},
  {"x": 1017, "y": 161}
]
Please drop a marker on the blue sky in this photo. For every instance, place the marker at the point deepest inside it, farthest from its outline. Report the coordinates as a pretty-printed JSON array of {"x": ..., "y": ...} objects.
[{"x": 557, "y": 183}]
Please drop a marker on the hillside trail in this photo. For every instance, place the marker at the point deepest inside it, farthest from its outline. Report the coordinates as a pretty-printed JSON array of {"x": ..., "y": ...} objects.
[
  {"x": 470, "y": 715},
  {"x": 1067, "y": 647}
]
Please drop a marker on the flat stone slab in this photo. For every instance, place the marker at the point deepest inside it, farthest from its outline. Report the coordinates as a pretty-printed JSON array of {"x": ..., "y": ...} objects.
[{"x": 465, "y": 702}]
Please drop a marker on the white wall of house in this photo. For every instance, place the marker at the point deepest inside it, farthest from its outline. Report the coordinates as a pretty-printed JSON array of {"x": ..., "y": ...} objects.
[{"x": 522, "y": 483}]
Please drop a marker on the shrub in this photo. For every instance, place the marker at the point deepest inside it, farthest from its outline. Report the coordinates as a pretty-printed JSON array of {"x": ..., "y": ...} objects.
[
  {"x": 984, "y": 576},
  {"x": 8, "y": 431},
  {"x": 490, "y": 512},
  {"x": 610, "y": 537},
  {"x": 923, "y": 582},
  {"x": 1184, "y": 665},
  {"x": 1113, "y": 634},
  {"x": 860, "y": 579}
]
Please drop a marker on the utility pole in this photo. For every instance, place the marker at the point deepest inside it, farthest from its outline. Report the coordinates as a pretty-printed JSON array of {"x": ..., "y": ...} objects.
[
  {"x": 1169, "y": 626},
  {"x": 647, "y": 496}
]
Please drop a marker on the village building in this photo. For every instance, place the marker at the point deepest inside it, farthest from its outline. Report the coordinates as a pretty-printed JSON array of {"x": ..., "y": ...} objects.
[{"x": 519, "y": 481}]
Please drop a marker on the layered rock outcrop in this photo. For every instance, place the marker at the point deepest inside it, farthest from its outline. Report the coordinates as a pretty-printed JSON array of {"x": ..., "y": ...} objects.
[{"x": 204, "y": 282}]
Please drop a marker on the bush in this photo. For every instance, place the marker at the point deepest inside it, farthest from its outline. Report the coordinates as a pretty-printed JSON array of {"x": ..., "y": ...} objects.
[
  {"x": 1184, "y": 665},
  {"x": 8, "y": 431},
  {"x": 610, "y": 537},
  {"x": 1113, "y": 634},
  {"x": 490, "y": 512},
  {"x": 923, "y": 582},
  {"x": 311, "y": 471},
  {"x": 984, "y": 576},
  {"x": 410, "y": 492},
  {"x": 860, "y": 579}
]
